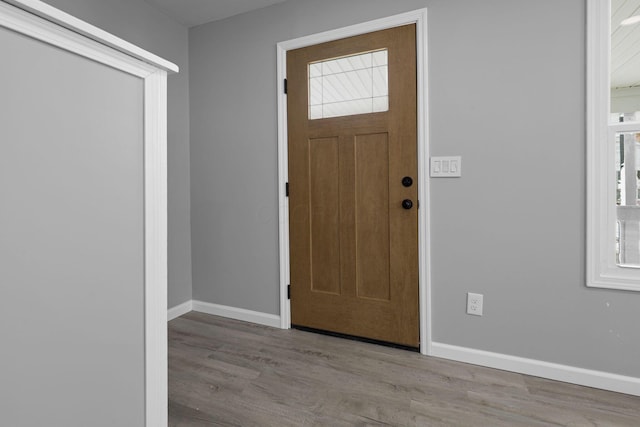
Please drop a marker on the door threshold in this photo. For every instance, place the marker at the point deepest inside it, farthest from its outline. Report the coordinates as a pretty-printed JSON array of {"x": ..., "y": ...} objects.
[{"x": 355, "y": 338}]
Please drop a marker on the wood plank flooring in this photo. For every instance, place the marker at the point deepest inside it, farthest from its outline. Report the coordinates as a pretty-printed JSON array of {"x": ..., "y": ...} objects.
[{"x": 229, "y": 373}]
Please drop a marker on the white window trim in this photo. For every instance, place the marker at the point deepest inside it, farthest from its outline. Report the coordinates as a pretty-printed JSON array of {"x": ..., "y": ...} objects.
[{"x": 602, "y": 271}]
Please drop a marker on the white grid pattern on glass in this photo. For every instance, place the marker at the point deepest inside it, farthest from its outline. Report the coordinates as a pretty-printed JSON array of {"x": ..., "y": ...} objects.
[{"x": 356, "y": 84}]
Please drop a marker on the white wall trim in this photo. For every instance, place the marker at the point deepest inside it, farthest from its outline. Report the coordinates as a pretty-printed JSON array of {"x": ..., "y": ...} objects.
[
  {"x": 31, "y": 25},
  {"x": 237, "y": 313},
  {"x": 554, "y": 371},
  {"x": 179, "y": 310},
  {"x": 537, "y": 368},
  {"x": 49, "y": 25},
  {"x": 602, "y": 270},
  {"x": 418, "y": 17},
  {"x": 156, "y": 243},
  {"x": 89, "y": 31}
]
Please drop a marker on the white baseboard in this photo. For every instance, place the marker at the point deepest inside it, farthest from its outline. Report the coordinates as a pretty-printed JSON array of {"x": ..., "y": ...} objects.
[
  {"x": 237, "y": 313},
  {"x": 179, "y": 310},
  {"x": 537, "y": 368}
]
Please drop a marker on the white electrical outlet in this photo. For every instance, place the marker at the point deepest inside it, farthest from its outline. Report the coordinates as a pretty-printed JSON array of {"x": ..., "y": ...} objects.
[{"x": 474, "y": 304}]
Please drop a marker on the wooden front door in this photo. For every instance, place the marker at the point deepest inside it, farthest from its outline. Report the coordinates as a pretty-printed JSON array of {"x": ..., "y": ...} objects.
[{"x": 353, "y": 217}]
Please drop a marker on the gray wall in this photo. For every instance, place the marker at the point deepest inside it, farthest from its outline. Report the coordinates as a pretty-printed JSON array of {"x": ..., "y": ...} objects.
[
  {"x": 71, "y": 240},
  {"x": 138, "y": 23},
  {"x": 507, "y": 94}
]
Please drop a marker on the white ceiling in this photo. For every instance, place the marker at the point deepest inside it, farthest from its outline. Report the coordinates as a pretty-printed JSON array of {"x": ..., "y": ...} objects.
[{"x": 196, "y": 12}]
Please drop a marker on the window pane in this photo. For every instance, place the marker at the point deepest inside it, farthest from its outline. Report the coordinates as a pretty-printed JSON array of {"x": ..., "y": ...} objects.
[
  {"x": 625, "y": 60},
  {"x": 627, "y": 160},
  {"x": 356, "y": 84},
  {"x": 381, "y": 104}
]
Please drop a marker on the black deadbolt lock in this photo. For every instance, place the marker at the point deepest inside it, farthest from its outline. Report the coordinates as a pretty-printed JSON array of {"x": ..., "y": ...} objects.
[
  {"x": 407, "y": 204},
  {"x": 407, "y": 181}
]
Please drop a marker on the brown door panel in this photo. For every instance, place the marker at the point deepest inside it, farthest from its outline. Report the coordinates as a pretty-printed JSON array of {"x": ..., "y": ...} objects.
[{"x": 353, "y": 246}]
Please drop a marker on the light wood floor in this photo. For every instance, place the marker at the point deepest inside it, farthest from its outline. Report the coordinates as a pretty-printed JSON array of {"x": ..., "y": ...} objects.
[{"x": 228, "y": 373}]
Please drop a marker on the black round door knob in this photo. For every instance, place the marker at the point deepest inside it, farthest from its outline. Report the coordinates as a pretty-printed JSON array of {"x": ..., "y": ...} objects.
[
  {"x": 407, "y": 181},
  {"x": 407, "y": 204}
]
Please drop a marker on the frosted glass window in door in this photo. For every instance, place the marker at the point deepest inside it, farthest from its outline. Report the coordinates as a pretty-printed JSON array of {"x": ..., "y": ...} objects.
[{"x": 356, "y": 84}]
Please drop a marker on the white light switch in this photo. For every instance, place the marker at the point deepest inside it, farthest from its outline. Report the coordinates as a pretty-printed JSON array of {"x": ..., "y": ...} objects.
[
  {"x": 436, "y": 166},
  {"x": 446, "y": 167}
]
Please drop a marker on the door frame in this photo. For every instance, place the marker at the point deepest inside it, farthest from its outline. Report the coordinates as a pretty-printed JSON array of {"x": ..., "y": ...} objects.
[{"x": 419, "y": 18}]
